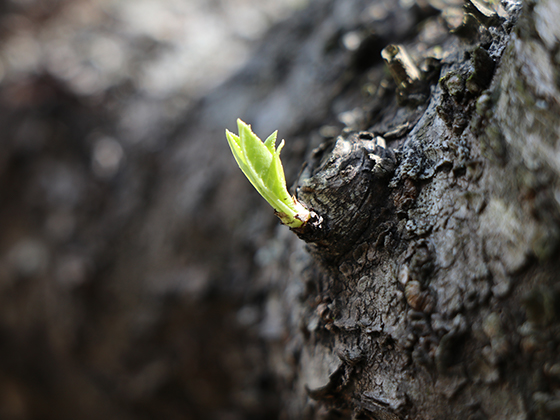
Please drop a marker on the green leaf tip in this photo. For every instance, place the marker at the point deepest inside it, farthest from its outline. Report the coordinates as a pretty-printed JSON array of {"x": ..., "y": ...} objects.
[{"x": 260, "y": 162}]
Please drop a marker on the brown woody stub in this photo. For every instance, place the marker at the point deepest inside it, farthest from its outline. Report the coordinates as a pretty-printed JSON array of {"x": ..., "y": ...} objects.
[{"x": 345, "y": 184}]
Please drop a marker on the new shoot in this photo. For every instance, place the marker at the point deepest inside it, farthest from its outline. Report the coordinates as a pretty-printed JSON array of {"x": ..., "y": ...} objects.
[{"x": 260, "y": 162}]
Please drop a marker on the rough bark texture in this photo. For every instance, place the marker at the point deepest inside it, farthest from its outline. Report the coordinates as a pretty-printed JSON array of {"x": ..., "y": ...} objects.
[{"x": 426, "y": 288}]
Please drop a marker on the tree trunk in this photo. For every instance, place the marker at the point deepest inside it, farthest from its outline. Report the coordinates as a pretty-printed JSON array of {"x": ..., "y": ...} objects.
[{"x": 426, "y": 289}]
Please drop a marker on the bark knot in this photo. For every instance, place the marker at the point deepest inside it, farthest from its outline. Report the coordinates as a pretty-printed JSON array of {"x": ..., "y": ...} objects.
[{"x": 346, "y": 185}]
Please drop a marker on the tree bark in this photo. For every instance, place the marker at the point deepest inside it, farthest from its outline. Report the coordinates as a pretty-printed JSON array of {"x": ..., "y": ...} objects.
[{"x": 427, "y": 289}]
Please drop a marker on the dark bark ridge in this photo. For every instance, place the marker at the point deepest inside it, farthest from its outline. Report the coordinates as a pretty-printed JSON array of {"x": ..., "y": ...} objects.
[{"x": 404, "y": 311}]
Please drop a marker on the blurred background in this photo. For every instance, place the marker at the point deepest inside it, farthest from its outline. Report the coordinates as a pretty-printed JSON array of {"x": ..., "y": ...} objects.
[
  {"x": 167, "y": 52},
  {"x": 112, "y": 262}
]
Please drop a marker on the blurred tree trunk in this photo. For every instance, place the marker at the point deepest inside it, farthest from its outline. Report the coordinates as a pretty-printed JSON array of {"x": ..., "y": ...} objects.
[{"x": 163, "y": 287}]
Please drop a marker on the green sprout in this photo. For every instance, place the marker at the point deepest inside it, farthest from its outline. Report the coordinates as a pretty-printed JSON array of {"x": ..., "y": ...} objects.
[{"x": 260, "y": 162}]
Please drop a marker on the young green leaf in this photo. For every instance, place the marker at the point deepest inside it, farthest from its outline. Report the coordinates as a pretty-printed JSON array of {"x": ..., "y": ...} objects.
[{"x": 260, "y": 162}]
